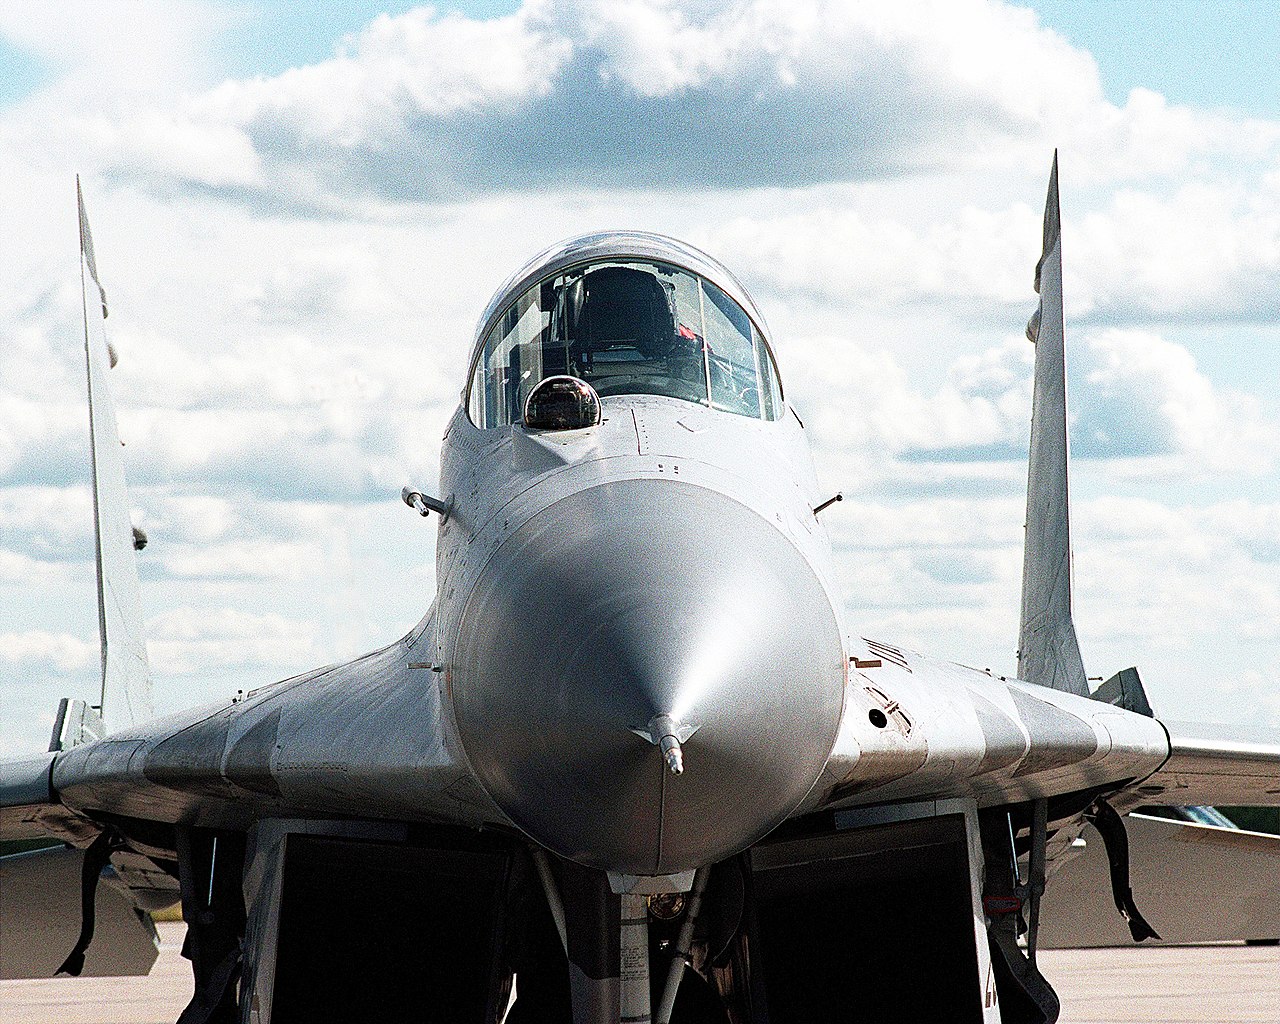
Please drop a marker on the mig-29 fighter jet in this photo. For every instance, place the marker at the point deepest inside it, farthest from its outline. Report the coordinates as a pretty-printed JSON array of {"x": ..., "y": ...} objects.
[{"x": 633, "y": 764}]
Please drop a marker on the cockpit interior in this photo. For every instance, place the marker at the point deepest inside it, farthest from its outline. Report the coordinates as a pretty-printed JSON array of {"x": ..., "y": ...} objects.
[{"x": 626, "y": 327}]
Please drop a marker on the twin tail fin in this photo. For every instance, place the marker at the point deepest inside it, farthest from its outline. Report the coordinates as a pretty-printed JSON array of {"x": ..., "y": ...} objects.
[
  {"x": 1048, "y": 653},
  {"x": 126, "y": 675}
]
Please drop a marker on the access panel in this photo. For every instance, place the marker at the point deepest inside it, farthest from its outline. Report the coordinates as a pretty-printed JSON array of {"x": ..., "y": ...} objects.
[
  {"x": 382, "y": 931},
  {"x": 873, "y": 924}
]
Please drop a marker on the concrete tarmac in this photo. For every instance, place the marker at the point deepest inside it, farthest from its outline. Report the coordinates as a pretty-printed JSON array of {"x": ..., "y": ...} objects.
[
  {"x": 1219, "y": 984},
  {"x": 1215, "y": 984}
]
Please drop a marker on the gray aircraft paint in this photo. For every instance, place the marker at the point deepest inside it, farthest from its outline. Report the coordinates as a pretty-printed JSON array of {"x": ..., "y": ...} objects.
[
  {"x": 505, "y": 721},
  {"x": 666, "y": 563},
  {"x": 1048, "y": 653},
  {"x": 482, "y": 712},
  {"x": 126, "y": 675}
]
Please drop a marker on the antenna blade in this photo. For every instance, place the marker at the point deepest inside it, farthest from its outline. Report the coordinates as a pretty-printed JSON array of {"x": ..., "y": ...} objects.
[{"x": 1047, "y": 650}]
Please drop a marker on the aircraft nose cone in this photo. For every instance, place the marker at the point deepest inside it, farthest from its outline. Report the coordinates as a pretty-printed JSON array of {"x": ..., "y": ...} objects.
[{"x": 632, "y": 628}]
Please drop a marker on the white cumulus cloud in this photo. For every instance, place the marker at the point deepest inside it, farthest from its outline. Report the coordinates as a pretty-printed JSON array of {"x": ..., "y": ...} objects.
[{"x": 295, "y": 262}]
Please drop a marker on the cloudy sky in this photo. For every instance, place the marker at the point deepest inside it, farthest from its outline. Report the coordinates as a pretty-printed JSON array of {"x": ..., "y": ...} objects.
[{"x": 298, "y": 220}]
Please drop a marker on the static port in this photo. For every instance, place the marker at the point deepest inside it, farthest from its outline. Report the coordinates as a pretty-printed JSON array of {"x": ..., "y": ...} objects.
[{"x": 878, "y": 718}]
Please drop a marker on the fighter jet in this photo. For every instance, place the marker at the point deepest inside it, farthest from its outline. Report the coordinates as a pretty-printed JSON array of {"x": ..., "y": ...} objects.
[{"x": 633, "y": 763}]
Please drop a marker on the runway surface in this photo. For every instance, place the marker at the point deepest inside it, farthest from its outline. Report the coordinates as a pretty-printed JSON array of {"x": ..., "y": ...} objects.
[{"x": 1187, "y": 985}]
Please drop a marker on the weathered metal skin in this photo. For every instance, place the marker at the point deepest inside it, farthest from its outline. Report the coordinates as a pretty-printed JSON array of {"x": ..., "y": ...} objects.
[
  {"x": 362, "y": 739},
  {"x": 665, "y": 563},
  {"x": 631, "y": 599},
  {"x": 959, "y": 732}
]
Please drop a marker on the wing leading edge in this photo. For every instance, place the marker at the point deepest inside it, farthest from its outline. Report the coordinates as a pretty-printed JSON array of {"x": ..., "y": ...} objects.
[{"x": 1214, "y": 765}]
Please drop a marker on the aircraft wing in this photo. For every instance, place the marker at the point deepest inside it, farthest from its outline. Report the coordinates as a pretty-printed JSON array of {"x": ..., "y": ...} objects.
[
  {"x": 1214, "y": 765},
  {"x": 359, "y": 738},
  {"x": 1196, "y": 883},
  {"x": 365, "y": 739},
  {"x": 949, "y": 731},
  {"x": 29, "y": 808},
  {"x": 39, "y": 930}
]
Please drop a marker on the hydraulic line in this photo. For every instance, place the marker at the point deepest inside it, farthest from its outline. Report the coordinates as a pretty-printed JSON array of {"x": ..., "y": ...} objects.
[
  {"x": 552, "y": 892},
  {"x": 679, "y": 959}
]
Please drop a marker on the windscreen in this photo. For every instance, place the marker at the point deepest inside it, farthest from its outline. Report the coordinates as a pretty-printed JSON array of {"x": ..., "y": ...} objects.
[{"x": 627, "y": 327}]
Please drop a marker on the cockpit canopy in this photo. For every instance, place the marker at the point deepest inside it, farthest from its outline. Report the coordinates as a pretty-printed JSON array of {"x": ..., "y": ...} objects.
[{"x": 627, "y": 326}]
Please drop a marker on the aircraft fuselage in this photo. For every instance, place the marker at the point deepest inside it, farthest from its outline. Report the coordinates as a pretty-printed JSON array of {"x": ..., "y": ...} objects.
[
  {"x": 635, "y": 617},
  {"x": 664, "y": 563}
]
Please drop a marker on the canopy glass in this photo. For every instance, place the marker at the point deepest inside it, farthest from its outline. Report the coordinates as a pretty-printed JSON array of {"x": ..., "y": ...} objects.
[{"x": 626, "y": 327}]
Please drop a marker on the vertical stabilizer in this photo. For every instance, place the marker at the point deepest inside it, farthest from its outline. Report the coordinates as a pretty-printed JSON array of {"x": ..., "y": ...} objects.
[
  {"x": 126, "y": 676},
  {"x": 1047, "y": 650}
]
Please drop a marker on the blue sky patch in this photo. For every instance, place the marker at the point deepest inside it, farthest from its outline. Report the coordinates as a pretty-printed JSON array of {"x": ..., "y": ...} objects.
[
  {"x": 1220, "y": 54},
  {"x": 20, "y": 73}
]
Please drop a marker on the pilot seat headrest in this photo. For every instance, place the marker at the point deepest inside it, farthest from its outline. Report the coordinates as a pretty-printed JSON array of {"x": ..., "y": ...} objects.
[{"x": 624, "y": 305}]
